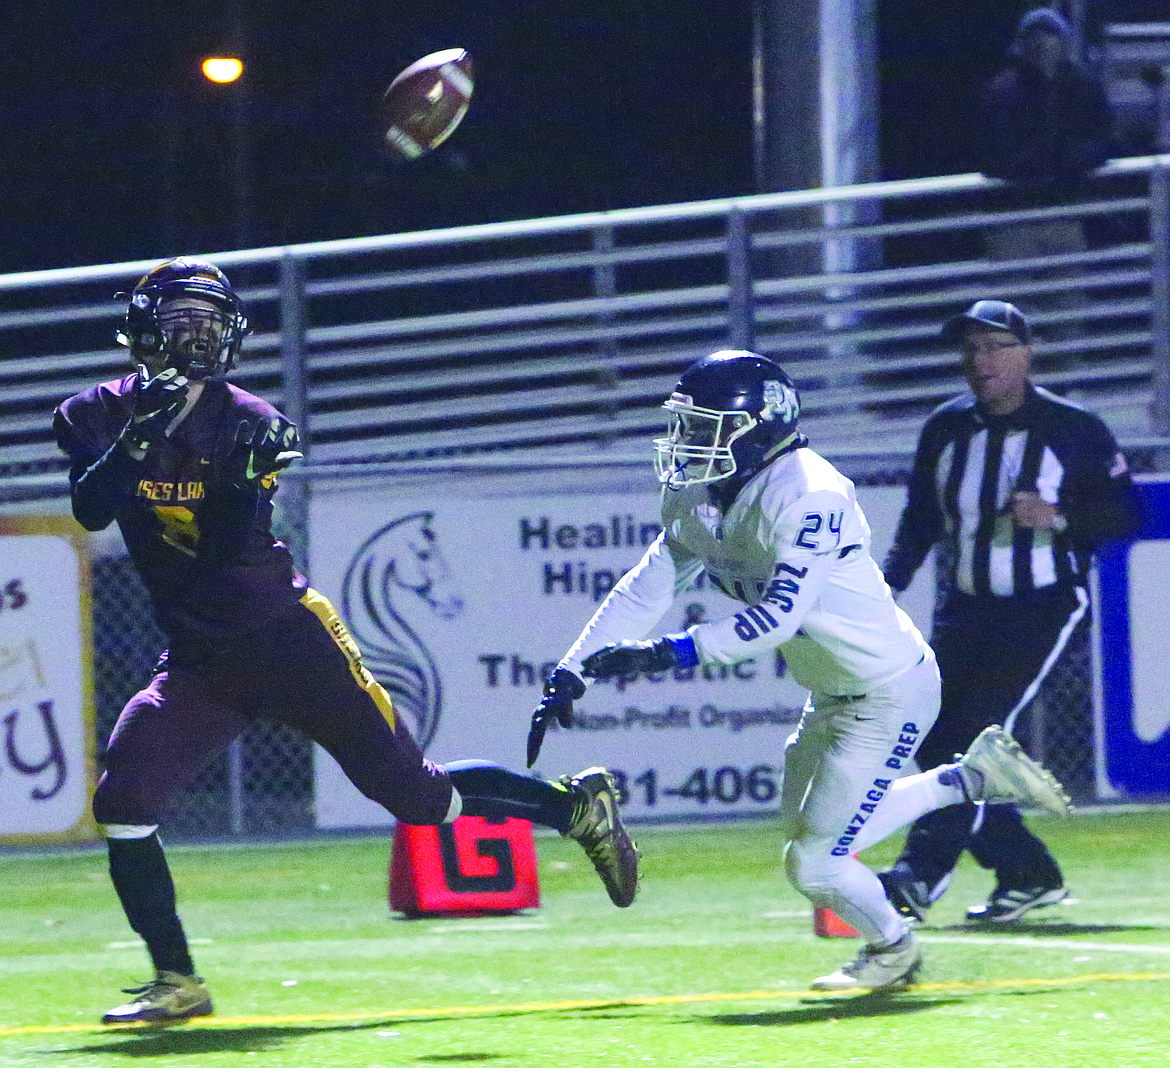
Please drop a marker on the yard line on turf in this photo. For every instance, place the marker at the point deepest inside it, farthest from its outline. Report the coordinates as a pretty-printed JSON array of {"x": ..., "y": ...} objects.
[
  {"x": 955, "y": 987},
  {"x": 136, "y": 943},
  {"x": 1038, "y": 941}
]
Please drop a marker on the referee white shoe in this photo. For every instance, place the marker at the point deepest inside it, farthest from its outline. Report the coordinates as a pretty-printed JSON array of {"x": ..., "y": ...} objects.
[
  {"x": 886, "y": 968},
  {"x": 996, "y": 768}
]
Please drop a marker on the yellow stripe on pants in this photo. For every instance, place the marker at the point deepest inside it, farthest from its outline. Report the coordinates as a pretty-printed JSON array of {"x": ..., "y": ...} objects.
[{"x": 321, "y": 607}]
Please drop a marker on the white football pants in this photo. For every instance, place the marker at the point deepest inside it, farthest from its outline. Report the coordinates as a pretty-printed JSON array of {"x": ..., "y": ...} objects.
[{"x": 849, "y": 781}]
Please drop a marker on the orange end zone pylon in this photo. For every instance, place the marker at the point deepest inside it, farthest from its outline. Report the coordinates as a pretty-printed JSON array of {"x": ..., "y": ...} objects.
[
  {"x": 471, "y": 866},
  {"x": 827, "y": 924}
]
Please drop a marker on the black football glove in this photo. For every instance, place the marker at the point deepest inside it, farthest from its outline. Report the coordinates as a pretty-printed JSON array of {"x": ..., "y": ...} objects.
[
  {"x": 156, "y": 403},
  {"x": 261, "y": 449},
  {"x": 561, "y": 690},
  {"x": 629, "y": 658}
]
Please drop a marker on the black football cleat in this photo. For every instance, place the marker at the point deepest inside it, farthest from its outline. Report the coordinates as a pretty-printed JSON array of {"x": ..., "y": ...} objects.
[
  {"x": 1007, "y": 906},
  {"x": 910, "y": 896},
  {"x": 597, "y": 825},
  {"x": 168, "y": 998}
]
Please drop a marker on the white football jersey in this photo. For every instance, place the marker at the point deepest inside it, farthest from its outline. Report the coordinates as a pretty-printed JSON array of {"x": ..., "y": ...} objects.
[{"x": 794, "y": 547}]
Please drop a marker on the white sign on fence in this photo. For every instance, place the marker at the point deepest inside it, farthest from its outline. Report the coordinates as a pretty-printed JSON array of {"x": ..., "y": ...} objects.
[
  {"x": 45, "y": 764},
  {"x": 461, "y": 607}
]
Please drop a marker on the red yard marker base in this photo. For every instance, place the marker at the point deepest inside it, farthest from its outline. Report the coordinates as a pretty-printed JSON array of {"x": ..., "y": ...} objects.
[{"x": 464, "y": 868}]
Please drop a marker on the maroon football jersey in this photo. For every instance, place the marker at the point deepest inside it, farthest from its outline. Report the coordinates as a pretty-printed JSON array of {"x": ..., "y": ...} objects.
[{"x": 212, "y": 569}]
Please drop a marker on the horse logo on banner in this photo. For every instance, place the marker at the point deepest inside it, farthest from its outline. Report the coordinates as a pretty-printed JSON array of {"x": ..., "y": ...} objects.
[{"x": 396, "y": 576}]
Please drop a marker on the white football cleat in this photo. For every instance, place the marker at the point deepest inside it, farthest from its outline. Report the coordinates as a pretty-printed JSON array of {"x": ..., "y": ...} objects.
[
  {"x": 888, "y": 968},
  {"x": 995, "y": 768}
]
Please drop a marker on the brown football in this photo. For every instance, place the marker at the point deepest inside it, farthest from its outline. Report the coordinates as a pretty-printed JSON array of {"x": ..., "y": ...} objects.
[{"x": 426, "y": 102}]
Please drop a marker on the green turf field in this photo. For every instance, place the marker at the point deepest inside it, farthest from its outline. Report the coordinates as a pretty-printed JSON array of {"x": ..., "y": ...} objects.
[{"x": 709, "y": 967}]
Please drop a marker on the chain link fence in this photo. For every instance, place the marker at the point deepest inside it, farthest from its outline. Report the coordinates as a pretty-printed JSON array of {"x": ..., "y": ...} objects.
[{"x": 1058, "y": 729}]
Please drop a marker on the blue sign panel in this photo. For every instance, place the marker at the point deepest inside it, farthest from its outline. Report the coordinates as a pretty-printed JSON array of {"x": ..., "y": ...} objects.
[{"x": 1133, "y": 612}]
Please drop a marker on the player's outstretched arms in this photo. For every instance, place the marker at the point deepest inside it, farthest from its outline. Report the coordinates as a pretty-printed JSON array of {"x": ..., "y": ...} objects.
[{"x": 98, "y": 490}]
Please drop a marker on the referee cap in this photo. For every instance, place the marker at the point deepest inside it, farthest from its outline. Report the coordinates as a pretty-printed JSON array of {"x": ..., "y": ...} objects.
[{"x": 997, "y": 313}]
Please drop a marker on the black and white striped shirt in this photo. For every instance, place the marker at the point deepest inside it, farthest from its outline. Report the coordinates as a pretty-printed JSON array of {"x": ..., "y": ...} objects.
[{"x": 967, "y": 467}]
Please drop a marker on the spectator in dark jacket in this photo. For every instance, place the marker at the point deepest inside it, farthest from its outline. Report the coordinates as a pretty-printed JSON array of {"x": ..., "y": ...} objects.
[{"x": 1042, "y": 124}]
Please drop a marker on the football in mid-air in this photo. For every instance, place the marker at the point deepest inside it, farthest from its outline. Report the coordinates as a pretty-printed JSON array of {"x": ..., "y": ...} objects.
[{"x": 426, "y": 102}]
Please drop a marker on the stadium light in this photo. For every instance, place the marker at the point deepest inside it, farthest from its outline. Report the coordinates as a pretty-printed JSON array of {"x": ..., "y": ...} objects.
[{"x": 222, "y": 69}]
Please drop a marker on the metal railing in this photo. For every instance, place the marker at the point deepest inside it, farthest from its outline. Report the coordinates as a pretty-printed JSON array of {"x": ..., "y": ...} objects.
[{"x": 562, "y": 335}]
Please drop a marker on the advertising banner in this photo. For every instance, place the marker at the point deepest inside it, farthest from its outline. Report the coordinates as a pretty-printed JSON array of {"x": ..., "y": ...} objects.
[
  {"x": 45, "y": 718},
  {"x": 462, "y": 606},
  {"x": 1133, "y": 623}
]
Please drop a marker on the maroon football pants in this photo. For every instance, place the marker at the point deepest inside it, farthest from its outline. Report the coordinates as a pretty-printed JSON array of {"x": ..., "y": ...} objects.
[{"x": 302, "y": 669}]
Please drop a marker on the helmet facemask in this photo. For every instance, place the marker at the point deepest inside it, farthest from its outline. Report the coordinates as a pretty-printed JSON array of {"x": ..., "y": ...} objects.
[
  {"x": 698, "y": 443},
  {"x": 185, "y": 312},
  {"x": 197, "y": 336}
]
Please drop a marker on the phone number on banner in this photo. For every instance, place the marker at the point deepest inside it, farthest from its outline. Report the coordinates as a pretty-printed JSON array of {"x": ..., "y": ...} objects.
[{"x": 702, "y": 790}]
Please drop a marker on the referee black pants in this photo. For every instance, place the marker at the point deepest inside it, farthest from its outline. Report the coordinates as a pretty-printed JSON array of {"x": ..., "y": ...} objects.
[{"x": 992, "y": 654}]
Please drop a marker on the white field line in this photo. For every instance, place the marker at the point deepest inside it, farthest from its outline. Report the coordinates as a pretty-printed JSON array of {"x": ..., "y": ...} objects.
[{"x": 1036, "y": 942}]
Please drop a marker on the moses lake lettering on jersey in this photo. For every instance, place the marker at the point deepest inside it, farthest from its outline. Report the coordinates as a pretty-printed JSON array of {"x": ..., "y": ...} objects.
[{"x": 171, "y": 491}]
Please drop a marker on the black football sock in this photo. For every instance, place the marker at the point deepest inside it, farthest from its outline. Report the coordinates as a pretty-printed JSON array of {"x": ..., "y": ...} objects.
[
  {"x": 495, "y": 792},
  {"x": 142, "y": 878}
]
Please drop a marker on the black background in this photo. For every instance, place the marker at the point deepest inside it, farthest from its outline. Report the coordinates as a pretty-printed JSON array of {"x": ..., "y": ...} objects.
[{"x": 115, "y": 147}]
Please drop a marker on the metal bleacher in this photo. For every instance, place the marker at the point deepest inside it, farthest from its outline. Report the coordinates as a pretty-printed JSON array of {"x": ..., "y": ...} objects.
[{"x": 559, "y": 337}]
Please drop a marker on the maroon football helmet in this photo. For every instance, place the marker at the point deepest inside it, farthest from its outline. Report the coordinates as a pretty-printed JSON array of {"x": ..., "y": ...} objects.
[{"x": 186, "y": 309}]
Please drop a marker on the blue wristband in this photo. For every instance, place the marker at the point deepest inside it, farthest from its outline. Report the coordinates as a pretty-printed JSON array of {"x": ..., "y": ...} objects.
[{"x": 683, "y": 647}]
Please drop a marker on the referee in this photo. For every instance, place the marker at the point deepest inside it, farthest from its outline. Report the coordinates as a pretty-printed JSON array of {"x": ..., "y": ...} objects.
[{"x": 1017, "y": 487}]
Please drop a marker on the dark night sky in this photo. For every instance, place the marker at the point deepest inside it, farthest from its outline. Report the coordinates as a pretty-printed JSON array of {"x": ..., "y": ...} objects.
[{"x": 114, "y": 147}]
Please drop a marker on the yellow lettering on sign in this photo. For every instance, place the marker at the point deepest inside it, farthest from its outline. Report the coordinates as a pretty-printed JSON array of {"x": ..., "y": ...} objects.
[{"x": 20, "y": 667}]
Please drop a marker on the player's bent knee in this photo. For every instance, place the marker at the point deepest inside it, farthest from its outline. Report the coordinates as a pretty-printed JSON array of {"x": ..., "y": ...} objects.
[
  {"x": 420, "y": 807},
  {"x": 110, "y": 810},
  {"x": 811, "y": 868},
  {"x": 127, "y": 801},
  {"x": 126, "y": 830}
]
